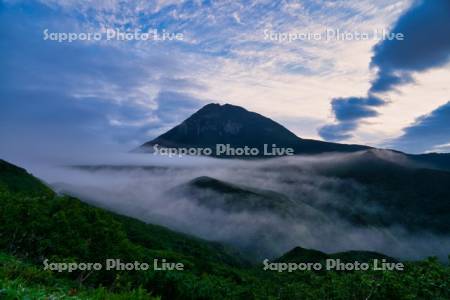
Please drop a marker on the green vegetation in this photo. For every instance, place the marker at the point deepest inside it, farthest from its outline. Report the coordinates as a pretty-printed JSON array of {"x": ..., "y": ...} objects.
[
  {"x": 19, "y": 280},
  {"x": 36, "y": 224}
]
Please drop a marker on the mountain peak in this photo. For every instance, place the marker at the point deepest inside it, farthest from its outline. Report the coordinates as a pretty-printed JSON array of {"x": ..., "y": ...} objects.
[
  {"x": 215, "y": 124},
  {"x": 221, "y": 108},
  {"x": 218, "y": 105}
]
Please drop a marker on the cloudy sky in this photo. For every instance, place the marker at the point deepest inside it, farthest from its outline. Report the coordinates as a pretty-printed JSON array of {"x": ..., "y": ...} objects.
[{"x": 118, "y": 94}]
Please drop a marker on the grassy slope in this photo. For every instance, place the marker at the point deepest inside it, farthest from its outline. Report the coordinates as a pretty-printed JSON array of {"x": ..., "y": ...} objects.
[{"x": 19, "y": 280}]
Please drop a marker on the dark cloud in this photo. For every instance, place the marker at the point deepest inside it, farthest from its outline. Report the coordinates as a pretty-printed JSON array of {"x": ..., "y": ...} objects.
[
  {"x": 426, "y": 28},
  {"x": 426, "y": 132},
  {"x": 348, "y": 111},
  {"x": 354, "y": 108},
  {"x": 388, "y": 79},
  {"x": 337, "y": 132}
]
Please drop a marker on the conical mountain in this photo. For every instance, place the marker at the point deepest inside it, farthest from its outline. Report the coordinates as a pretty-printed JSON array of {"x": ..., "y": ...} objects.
[{"x": 216, "y": 124}]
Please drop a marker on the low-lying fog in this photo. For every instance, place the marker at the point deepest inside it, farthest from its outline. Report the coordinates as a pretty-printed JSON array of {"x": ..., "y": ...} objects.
[{"x": 139, "y": 185}]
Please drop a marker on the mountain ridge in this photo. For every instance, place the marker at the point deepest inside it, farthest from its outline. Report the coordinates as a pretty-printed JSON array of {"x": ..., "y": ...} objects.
[
  {"x": 215, "y": 124},
  {"x": 229, "y": 124}
]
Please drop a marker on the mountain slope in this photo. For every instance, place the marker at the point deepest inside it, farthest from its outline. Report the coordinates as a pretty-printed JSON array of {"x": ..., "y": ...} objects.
[
  {"x": 36, "y": 197},
  {"x": 17, "y": 180},
  {"x": 228, "y": 124},
  {"x": 216, "y": 194},
  {"x": 372, "y": 188},
  {"x": 37, "y": 225},
  {"x": 221, "y": 195},
  {"x": 405, "y": 192}
]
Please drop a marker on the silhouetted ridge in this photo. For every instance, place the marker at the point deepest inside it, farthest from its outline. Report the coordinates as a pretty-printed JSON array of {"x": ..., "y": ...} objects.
[{"x": 303, "y": 255}]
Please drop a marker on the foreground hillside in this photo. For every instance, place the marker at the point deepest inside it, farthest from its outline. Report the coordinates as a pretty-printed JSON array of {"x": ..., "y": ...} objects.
[
  {"x": 36, "y": 224},
  {"x": 19, "y": 280}
]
